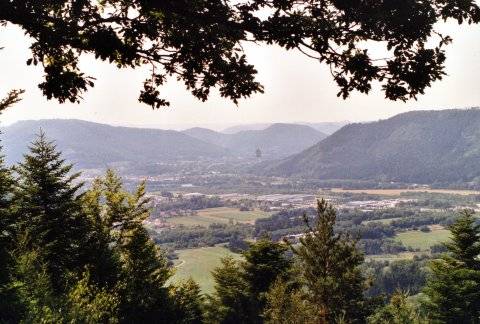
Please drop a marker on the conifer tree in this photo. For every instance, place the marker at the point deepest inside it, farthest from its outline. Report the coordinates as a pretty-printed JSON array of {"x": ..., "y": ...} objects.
[
  {"x": 7, "y": 295},
  {"x": 398, "y": 311},
  {"x": 143, "y": 269},
  {"x": 188, "y": 303},
  {"x": 104, "y": 267},
  {"x": 241, "y": 286},
  {"x": 328, "y": 264},
  {"x": 48, "y": 211},
  {"x": 264, "y": 263},
  {"x": 230, "y": 303},
  {"x": 87, "y": 303},
  {"x": 453, "y": 288},
  {"x": 38, "y": 302},
  {"x": 286, "y": 305}
]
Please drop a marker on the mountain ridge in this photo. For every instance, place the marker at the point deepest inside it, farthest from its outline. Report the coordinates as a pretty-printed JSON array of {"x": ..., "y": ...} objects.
[
  {"x": 91, "y": 144},
  {"x": 418, "y": 147},
  {"x": 275, "y": 141}
]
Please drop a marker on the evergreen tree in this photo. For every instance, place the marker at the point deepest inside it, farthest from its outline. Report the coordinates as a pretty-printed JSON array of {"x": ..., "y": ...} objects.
[
  {"x": 230, "y": 303},
  {"x": 87, "y": 303},
  {"x": 104, "y": 264},
  {"x": 8, "y": 312},
  {"x": 398, "y": 311},
  {"x": 328, "y": 264},
  {"x": 453, "y": 288},
  {"x": 7, "y": 295},
  {"x": 188, "y": 303},
  {"x": 32, "y": 284},
  {"x": 241, "y": 286},
  {"x": 265, "y": 262},
  {"x": 143, "y": 268},
  {"x": 145, "y": 271},
  {"x": 287, "y": 305},
  {"x": 48, "y": 211}
]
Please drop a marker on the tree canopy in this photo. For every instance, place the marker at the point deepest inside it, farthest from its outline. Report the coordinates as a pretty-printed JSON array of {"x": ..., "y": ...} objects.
[{"x": 200, "y": 42}]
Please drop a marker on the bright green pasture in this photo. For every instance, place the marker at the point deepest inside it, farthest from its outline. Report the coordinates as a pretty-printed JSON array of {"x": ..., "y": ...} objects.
[
  {"x": 222, "y": 215},
  {"x": 199, "y": 263},
  {"x": 423, "y": 240}
]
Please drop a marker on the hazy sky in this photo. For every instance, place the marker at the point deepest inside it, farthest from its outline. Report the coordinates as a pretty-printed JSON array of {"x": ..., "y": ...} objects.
[{"x": 296, "y": 89}]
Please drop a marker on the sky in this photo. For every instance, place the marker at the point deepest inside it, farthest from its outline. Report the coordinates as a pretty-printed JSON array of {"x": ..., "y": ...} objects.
[{"x": 297, "y": 89}]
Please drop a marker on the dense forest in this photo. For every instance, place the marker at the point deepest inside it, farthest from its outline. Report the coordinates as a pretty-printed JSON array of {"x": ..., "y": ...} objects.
[
  {"x": 415, "y": 147},
  {"x": 82, "y": 255}
]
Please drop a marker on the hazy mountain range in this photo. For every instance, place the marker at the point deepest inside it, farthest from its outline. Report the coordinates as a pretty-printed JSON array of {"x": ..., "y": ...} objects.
[
  {"x": 415, "y": 147},
  {"x": 325, "y": 127},
  {"x": 93, "y": 145},
  {"x": 97, "y": 145},
  {"x": 275, "y": 141}
]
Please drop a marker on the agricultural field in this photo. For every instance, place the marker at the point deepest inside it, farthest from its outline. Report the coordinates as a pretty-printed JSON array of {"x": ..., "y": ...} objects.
[
  {"x": 423, "y": 240},
  {"x": 383, "y": 221},
  {"x": 198, "y": 265},
  {"x": 393, "y": 257},
  {"x": 398, "y": 192},
  {"x": 222, "y": 215}
]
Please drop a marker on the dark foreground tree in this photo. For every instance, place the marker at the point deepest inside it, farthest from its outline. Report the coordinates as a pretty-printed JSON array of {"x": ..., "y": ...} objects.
[
  {"x": 188, "y": 303},
  {"x": 241, "y": 287},
  {"x": 200, "y": 42},
  {"x": 329, "y": 269},
  {"x": 48, "y": 212},
  {"x": 12, "y": 98},
  {"x": 143, "y": 269},
  {"x": 7, "y": 312},
  {"x": 287, "y": 305},
  {"x": 398, "y": 311},
  {"x": 453, "y": 288}
]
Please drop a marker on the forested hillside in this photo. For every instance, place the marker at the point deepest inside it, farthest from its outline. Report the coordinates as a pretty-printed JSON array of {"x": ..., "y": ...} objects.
[
  {"x": 97, "y": 145},
  {"x": 415, "y": 147},
  {"x": 275, "y": 141}
]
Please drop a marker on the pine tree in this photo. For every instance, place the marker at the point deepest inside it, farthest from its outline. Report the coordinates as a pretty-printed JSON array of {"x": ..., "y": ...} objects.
[
  {"x": 287, "y": 305},
  {"x": 453, "y": 288},
  {"x": 328, "y": 264},
  {"x": 145, "y": 272},
  {"x": 34, "y": 290},
  {"x": 104, "y": 264},
  {"x": 87, "y": 303},
  {"x": 241, "y": 286},
  {"x": 265, "y": 262},
  {"x": 230, "y": 303},
  {"x": 398, "y": 311},
  {"x": 8, "y": 306},
  {"x": 188, "y": 303},
  {"x": 143, "y": 267},
  {"x": 48, "y": 211}
]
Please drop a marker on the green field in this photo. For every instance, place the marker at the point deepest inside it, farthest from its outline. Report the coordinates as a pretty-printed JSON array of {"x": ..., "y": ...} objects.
[
  {"x": 222, "y": 215},
  {"x": 421, "y": 240},
  {"x": 383, "y": 220},
  {"x": 198, "y": 265},
  {"x": 393, "y": 257}
]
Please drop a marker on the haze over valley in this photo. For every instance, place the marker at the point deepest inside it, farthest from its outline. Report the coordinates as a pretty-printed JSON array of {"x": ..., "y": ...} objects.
[{"x": 437, "y": 148}]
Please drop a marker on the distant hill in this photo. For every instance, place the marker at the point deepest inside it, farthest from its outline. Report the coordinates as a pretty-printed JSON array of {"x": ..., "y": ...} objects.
[
  {"x": 245, "y": 127},
  {"x": 325, "y": 127},
  {"x": 93, "y": 145},
  {"x": 415, "y": 147},
  {"x": 276, "y": 141}
]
